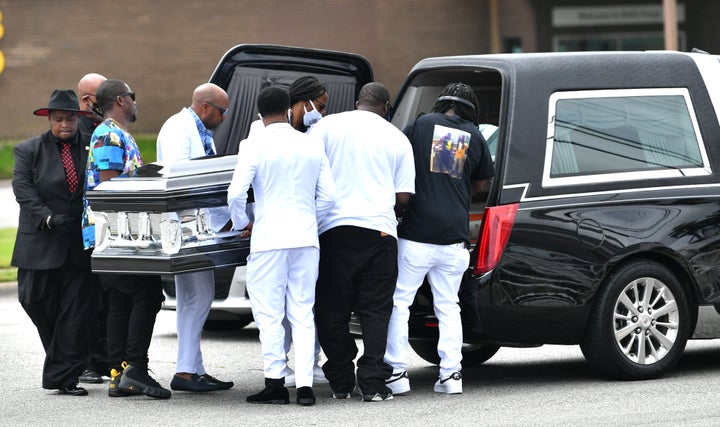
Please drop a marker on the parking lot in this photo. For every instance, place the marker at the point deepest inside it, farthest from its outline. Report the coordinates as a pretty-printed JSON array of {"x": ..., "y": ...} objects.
[{"x": 550, "y": 385}]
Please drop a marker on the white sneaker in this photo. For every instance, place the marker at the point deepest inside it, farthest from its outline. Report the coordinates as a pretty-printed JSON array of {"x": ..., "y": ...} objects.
[
  {"x": 399, "y": 383},
  {"x": 449, "y": 385}
]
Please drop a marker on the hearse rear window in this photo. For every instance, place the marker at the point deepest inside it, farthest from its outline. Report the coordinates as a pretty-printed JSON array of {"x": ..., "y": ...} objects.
[{"x": 622, "y": 135}]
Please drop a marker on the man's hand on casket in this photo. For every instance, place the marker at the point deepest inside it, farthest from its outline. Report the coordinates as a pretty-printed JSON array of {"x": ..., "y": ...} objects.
[{"x": 247, "y": 231}]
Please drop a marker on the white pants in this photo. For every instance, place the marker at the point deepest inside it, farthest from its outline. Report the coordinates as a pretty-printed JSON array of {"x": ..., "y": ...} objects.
[
  {"x": 281, "y": 283},
  {"x": 194, "y": 293},
  {"x": 444, "y": 266},
  {"x": 288, "y": 342}
]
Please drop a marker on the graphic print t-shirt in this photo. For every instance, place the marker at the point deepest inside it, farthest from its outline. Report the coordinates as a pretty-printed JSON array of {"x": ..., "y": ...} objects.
[{"x": 449, "y": 153}]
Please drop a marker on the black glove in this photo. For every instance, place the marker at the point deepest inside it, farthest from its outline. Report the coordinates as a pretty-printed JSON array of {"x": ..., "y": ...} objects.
[{"x": 60, "y": 222}]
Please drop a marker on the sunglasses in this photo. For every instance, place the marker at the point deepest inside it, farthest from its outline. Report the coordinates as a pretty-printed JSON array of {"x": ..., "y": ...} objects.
[
  {"x": 130, "y": 94},
  {"x": 223, "y": 111}
]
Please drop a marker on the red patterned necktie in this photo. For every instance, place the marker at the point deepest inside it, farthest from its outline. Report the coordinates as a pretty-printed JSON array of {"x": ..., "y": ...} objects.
[{"x": 69, "y": 165}]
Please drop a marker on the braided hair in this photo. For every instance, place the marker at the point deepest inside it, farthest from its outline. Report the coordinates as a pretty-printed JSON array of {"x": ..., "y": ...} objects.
[
  {"x": 461, "y": 98},
  {"x": 306, "y": 88}
]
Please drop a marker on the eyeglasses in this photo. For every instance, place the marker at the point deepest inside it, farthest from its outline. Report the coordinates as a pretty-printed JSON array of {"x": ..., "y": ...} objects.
[
  {"x": 130, "y": 94},
  {"x": 223, "y": 111}
]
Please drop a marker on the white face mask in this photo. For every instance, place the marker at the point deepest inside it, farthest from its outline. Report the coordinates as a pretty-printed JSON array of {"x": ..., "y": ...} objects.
[{"x": 311, "y": 117}]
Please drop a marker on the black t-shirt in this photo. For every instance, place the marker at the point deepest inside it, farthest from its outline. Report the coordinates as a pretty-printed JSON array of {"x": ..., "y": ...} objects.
[{"x": 450, "y": 153}]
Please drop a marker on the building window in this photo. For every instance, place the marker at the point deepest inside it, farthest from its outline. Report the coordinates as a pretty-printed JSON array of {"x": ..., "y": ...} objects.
[{"x": 613, "y": 41}]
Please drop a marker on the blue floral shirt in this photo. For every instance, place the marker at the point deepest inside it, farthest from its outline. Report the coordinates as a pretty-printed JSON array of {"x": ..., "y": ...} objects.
[{"x": 111, "y": 148}]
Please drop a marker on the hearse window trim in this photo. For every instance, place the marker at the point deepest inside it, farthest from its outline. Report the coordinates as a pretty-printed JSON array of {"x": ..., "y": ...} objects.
[{"x": 566, "y": 172}]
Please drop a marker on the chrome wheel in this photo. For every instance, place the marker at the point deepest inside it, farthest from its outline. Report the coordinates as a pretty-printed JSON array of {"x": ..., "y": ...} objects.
[
  {"x": 640, "y": 322},
  {"x": 646, "y": 320}
]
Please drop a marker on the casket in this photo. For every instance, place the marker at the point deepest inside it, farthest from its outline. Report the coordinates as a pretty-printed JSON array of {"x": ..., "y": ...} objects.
[{"x": 166, "y": 219}]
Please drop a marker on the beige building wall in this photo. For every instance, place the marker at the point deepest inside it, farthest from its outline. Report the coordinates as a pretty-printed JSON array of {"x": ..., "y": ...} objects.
[
  {"x": 517, "y": 20},
  {"x": 164, "y": 48}
]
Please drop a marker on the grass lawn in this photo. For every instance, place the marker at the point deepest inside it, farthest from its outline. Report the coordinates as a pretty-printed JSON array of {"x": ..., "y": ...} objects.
[
  {"x": 146, "y": 143},
  {"x": 7, "y": 241}
]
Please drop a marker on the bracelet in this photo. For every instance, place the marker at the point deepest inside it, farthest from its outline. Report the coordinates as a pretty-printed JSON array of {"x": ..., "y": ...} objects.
[{"x": 47, "y": 221}]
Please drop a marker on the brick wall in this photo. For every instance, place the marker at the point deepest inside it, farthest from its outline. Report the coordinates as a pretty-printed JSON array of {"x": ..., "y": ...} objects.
[{"x": 164, "y": 48}]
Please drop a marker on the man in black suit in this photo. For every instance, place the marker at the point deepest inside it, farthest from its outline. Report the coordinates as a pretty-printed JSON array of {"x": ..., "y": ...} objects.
[{"x": 55, "y": 285}]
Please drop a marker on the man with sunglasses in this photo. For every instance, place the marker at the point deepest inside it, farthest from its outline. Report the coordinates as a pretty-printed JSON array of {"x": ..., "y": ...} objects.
[
  {"x": 134, "y": 300},
  {"x": 188, "y": 135}
]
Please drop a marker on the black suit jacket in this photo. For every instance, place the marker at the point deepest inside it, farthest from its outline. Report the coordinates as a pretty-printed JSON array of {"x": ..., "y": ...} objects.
[{"x": 41, "y": 189}]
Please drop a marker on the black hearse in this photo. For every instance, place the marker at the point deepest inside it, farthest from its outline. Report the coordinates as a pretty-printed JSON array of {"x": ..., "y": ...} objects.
[{"x": 601, "y": 225}]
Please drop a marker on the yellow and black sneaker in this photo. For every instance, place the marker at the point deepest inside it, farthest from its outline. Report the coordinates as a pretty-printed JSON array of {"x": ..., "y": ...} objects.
[
  {"x": 114, "y": 389},
  {"x": 137, "y": 380}
]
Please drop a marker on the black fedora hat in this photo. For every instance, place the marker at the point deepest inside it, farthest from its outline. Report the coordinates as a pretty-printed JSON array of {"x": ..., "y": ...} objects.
[{"x": 62, "y": 99}]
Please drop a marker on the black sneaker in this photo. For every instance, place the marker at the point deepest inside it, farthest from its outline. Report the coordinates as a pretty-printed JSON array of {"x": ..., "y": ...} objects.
[
  {"x": 114, "y": 390},
  {"x": 305, "y": 396},
  {"x": 386, "y": 394},
  {"x": 274, "y": 392},
  {"x": 342, "y": 395},
  {"x": 138, "y": 379}
]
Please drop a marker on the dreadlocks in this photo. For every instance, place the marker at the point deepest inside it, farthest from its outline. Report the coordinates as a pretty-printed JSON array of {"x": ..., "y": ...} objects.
[
  {"x": 306, "y": 88},
  {"x": 465, "y": 103}
]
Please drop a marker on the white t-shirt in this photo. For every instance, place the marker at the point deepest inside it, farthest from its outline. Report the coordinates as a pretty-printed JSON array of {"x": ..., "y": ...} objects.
[
  {"x": 371, "y": 161},
  {"x": 293, "y": 187}
]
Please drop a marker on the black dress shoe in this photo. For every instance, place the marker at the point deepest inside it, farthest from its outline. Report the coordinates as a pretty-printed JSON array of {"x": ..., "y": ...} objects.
[
  {"x": 73, "y": 390},
  {"x": 274, "y": 392},
  {"x": 224, "y": 385},
  {"x": 305, "y": 396},
  {"x": 90, "y": 376},
  {"x": 195, "y": 384}
]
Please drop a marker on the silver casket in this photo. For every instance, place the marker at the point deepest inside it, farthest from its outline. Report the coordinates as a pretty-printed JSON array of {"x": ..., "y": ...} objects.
[{"x": 160, "y": 219}]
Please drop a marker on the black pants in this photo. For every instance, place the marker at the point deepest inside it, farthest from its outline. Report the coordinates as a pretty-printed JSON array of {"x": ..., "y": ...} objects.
[
  {"x": 98, "y": 354},
  {"x": 358, "y": 272},
  {"x": 61, "y": 303},
  {"x": 134, "y": 301}
]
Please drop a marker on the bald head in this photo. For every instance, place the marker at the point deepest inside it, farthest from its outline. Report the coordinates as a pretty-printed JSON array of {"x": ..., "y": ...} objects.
[
  {"x": 208, "y": 101},
  {"x": 208, "y": 92},
  {"x": 87, "y": 87},
  {"x": 374, "y": 97}
]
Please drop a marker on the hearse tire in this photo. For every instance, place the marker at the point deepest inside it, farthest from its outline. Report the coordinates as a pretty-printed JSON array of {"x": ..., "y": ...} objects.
[{"x": 640, "y": 323}]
